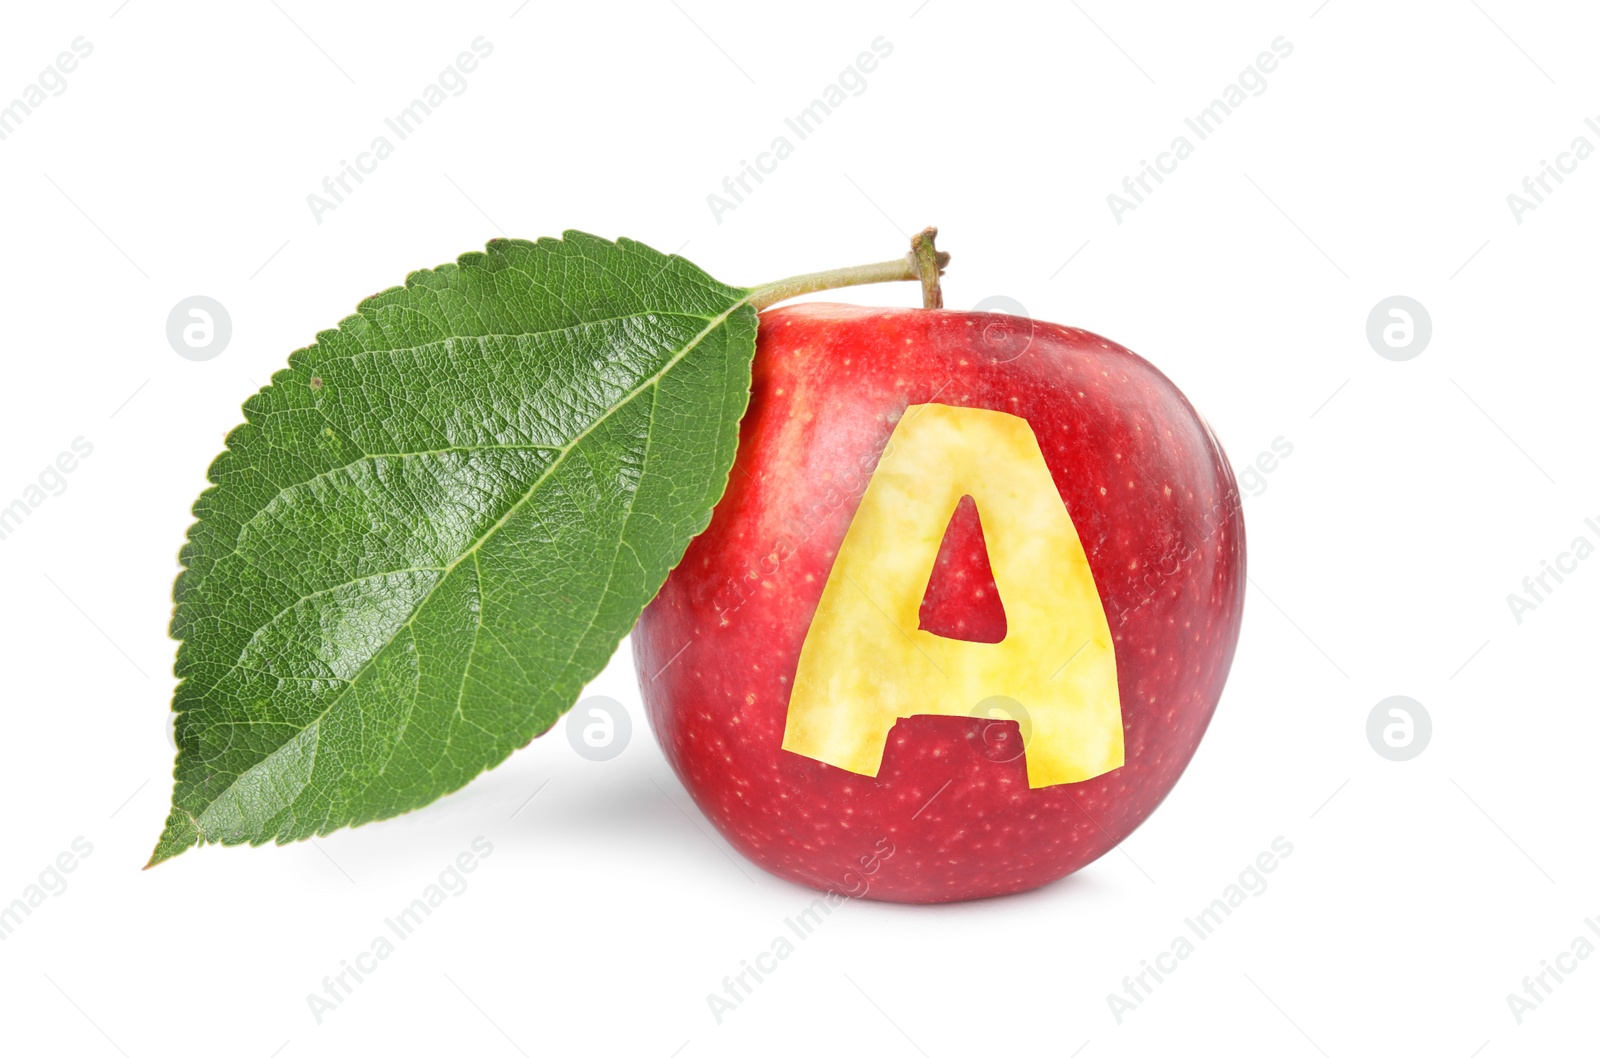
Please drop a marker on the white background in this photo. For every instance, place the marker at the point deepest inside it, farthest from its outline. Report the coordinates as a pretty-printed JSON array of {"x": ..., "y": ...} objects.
[{"x": 1418, "y": 495}]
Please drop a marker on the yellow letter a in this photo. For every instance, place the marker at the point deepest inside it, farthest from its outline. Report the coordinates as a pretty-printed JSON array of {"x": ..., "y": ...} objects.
[{"x": 865, "y": 662}]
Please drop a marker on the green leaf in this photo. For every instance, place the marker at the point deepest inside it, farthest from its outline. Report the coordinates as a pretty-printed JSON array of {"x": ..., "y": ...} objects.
[{"x": 435, "y": 526}]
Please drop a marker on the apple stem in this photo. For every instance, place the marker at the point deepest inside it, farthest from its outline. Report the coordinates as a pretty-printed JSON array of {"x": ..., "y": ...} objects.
[
  {"x": 930, "y": 265},
  {"x": 923, "y": 264}
]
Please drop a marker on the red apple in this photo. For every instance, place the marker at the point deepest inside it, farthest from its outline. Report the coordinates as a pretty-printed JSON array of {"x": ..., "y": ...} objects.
[{"x": 949, "y": 813}]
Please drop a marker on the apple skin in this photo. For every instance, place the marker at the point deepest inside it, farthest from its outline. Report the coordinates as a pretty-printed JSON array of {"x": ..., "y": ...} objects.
[{"x": 949, "y": 815}]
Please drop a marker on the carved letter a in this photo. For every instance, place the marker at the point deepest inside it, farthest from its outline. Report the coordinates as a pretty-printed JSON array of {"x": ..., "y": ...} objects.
[{"x": 865, "y": 662}]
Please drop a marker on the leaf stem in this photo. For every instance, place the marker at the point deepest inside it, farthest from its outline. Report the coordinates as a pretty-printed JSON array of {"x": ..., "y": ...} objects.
[{"x": 922, "y": 264}]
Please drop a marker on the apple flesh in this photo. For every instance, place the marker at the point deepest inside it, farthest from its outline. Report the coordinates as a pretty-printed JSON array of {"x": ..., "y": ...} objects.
[{"x": 949, "y": 814}]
